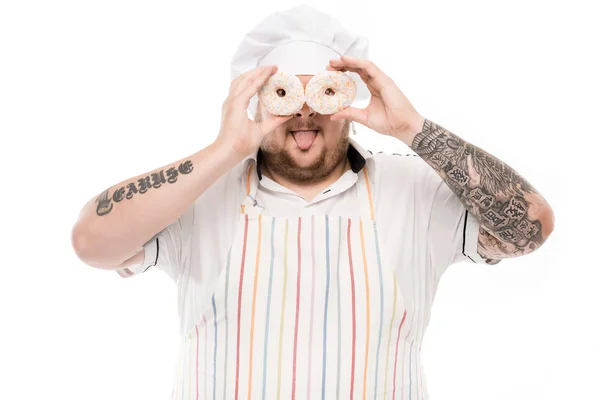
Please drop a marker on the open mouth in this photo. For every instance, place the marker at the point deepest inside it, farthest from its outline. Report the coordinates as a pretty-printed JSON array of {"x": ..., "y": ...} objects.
[{"x": 304, "y": 138}]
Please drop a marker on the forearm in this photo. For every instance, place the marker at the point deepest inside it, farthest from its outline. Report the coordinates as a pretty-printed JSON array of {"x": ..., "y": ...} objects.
[
  {"x": 114, "y": 225},
  {"x": 510, "y": 209}
]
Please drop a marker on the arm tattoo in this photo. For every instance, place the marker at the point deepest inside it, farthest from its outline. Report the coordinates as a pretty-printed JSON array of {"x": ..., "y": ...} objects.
[
  {"x": 142, "y": 185},
  {"x": 510, "y": 210}
]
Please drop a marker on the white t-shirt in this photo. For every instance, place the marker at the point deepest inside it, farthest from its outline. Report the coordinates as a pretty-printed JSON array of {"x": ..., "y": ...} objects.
[{"x": 422, "y": 225}]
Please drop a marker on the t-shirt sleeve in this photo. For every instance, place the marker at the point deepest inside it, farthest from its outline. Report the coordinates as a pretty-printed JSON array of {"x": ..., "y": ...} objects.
[
  {"x": 167, "y": 249},
  {"x": 193, "y": 239},
  {"x": 453, "y": 232},
  {"x": 441, "y": 227}
]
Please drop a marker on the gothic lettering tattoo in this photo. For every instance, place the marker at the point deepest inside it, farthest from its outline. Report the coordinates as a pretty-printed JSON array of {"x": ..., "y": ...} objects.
[
  {"x": 104, "y": 204},
  {"x": 143, "y": 185},
  {"x": 491, "y": 190}
]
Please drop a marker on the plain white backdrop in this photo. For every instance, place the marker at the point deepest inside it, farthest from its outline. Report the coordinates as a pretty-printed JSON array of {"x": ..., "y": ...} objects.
[{"x": 93, "y": 93}]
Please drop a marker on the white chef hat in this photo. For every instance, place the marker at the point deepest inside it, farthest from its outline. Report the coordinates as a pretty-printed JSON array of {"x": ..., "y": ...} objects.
[{"x": 300, "y": 41}]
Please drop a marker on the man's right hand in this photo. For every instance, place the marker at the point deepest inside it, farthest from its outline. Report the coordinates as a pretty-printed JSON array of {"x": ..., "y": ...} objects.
[{"x": 239, "y": 133}]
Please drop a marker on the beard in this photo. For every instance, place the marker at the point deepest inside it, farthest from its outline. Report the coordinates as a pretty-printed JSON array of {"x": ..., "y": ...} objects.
[{"x": 280, "y": 161}]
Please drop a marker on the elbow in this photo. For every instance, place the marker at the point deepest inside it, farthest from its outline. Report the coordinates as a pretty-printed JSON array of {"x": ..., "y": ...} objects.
[
  {"x": 546, "y": 223},
  {"x": 87, "y": 250},
  {"x": 79, "y": 242}
]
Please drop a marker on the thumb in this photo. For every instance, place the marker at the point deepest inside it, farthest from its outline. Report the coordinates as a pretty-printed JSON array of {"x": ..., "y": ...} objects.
[
  {"x": 353, "y": 114},
  {"x": 270, "y": 124}
]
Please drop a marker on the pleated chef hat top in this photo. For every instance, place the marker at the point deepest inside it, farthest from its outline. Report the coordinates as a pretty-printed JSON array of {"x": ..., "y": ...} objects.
[{"x": 300, "y": 41}]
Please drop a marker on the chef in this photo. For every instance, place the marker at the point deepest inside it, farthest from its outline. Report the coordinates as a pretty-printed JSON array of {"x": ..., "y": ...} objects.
[{"x": 305, "y": 265}]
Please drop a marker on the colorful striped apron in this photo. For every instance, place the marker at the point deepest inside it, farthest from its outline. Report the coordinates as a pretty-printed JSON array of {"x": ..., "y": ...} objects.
[{"x": 305, "y": 308}]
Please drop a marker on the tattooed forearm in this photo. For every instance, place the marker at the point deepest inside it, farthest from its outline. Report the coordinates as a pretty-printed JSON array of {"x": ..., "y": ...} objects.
[
  {"x": 155, "y": 180},
  {"x": 511, "y": 211},
  {"x": 489, "y": 246}
]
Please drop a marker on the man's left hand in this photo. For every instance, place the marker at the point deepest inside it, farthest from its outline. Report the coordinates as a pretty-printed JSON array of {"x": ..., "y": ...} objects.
[{"x": 389, "y": 112}]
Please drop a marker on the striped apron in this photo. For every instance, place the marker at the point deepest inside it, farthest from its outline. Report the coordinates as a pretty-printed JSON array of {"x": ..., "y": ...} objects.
[{"x": 305, "y": 308}]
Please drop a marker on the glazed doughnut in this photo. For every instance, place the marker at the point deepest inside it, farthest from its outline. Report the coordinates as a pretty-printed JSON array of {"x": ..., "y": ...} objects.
[
  {"x": 330, "y": 92},
  {"x": 282, "y": 94}
]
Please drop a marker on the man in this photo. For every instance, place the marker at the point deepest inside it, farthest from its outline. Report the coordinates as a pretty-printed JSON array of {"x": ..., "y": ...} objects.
[{"x": 311, "y": 271}]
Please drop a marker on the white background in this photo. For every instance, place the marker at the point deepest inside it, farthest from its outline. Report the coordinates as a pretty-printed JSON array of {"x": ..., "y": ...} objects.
[{"x": 93, "y": 93}]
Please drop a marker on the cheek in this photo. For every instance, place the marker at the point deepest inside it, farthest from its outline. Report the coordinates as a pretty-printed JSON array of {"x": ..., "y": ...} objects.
[
  {"x": 334, "y": 131},
  {"x": 275, "y": 139}
]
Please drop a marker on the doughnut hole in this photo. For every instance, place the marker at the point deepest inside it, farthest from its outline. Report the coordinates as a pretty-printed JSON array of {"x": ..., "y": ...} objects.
[
  {"x": 330, "y": 92},
  {"x": 282, "y": 94}
]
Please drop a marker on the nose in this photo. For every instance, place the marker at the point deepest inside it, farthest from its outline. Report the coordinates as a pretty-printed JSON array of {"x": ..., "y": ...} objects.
[{"x": 305, "y": 112}]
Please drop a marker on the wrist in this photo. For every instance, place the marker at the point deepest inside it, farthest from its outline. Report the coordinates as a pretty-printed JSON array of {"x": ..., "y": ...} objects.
[
  {"x": 226, "y": 152},
  {"x": 412, "y": 128}
]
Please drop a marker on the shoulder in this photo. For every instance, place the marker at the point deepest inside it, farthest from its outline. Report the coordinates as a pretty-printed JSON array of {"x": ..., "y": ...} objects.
[
  {"x": 404, "y": 178},
  {"x": 398, "y": 166}
]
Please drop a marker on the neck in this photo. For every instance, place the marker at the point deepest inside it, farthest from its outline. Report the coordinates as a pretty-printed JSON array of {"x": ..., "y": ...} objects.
[{"x": 310, "y": 189}]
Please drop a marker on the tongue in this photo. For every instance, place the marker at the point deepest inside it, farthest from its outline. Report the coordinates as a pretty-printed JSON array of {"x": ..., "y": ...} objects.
[{"x": 305, "y": 138}]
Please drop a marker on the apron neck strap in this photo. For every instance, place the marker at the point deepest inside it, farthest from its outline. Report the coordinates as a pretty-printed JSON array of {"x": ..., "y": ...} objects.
[
  {"x": 249, "y": 205},
  {"x": 365, "y": 194}
]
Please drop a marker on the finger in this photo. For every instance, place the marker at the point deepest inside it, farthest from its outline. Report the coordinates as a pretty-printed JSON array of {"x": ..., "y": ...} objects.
[
  {"x": 364, "y": 78},
  {"x": 244, "y": 83},
  {"x": 235, "y": 83},
  {"x": 266, "y": 72},
  {"x": 359, "y": 115},
  {"x": 243, "y": 80},
  {"x": 270, "y": 124},
  {"x": 367, "y": 70},
  {"x": 252, "y": 87},
  {"x": 345, "y": 61}
]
